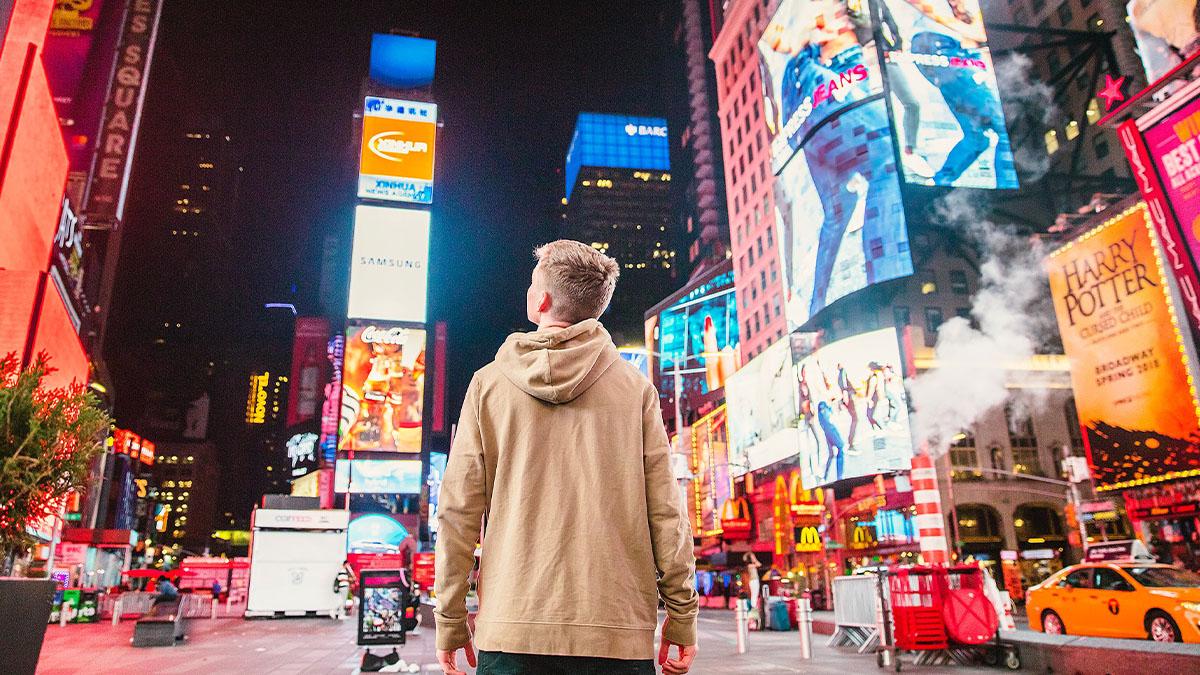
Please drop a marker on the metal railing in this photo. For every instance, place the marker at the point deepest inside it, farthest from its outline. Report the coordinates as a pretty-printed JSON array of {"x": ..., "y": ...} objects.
[{"x": 191, "y": 605}]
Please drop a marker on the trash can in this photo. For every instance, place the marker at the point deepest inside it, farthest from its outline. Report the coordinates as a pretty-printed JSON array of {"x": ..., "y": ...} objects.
[{"x": 777, "y": 615}]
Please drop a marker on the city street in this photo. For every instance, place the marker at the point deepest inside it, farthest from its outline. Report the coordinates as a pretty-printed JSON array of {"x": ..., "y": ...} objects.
[
  {"x": 323, "y": 646},
  {"x": 889, "y": 308}
]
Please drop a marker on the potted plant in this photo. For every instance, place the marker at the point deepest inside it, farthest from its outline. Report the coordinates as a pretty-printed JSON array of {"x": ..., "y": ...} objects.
[{"x": 48, "y": 438}]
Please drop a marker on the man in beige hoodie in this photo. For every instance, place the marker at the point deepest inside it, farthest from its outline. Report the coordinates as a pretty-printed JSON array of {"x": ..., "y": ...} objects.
[{"x": 561, "y": 464}]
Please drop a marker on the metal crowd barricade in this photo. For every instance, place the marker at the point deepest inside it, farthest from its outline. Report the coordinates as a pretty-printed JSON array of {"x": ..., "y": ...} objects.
[
  {"x": 136, "y": 603},
  {"x": 855, "y": 613},
  {"x": 119, "y": 605}
]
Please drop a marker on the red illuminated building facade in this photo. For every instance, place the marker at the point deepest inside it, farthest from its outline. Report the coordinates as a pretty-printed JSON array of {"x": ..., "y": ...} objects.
[
  {"x": 33, "y": 175},
  {"x": 749, "y": 181}
]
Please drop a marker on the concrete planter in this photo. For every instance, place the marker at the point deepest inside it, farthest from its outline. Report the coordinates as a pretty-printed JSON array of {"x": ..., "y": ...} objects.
[{"x": 25, "y": 605}]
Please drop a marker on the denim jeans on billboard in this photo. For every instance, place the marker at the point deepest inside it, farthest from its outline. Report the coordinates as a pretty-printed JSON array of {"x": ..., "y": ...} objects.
[
  {"x": 505, "y": 663},
  {"x": 974, "y": 104}
]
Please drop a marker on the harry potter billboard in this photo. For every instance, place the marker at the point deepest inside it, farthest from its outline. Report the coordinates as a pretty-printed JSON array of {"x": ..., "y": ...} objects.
[{"x": 1136, "y": 398}]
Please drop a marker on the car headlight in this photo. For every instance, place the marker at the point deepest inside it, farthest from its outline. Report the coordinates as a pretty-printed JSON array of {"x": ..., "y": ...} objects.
[{"x": 1190, "y": 606}]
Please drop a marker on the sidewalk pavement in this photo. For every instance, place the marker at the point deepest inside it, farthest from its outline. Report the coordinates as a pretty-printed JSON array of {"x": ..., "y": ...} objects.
[{"x": 292, "y": 646}]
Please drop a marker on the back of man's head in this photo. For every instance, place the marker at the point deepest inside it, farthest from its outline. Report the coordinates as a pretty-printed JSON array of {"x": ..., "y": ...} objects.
[{"x": 580, "y": 279}]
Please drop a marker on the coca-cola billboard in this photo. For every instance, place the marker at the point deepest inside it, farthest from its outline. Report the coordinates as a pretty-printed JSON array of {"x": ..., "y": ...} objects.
[
  {"x": 309, "y": 367},
  {"x": 383, "y": 388}
]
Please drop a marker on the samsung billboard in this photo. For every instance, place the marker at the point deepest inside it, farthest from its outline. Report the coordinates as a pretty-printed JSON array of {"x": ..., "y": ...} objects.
[
  {"x": 617, "y": 142},
  {"x": 389, "y": 267}
]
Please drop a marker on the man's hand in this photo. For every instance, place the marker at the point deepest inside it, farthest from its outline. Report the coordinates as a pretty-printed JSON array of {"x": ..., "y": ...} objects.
[
  {"x": 449, "y": 662},
  {"x": 678, "y": 666}
]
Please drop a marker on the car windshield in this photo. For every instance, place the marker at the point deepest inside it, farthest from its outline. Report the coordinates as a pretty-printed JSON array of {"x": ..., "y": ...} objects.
[{"x": 1164, "y": 577}]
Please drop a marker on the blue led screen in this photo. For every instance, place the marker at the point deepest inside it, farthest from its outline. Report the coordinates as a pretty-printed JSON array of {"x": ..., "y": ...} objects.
[
  {"x": 700, "y": 331},
  {"x": 402, "y": 62},
  {"x": 617, "y": 142}
]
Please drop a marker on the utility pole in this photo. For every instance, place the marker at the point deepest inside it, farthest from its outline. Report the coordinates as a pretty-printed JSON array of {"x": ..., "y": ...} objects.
[{"x": 1073, "y": 477}]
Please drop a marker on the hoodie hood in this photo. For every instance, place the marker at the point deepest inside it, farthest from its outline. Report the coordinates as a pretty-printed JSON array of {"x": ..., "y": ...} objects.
[{"x": 557, "y": 365}]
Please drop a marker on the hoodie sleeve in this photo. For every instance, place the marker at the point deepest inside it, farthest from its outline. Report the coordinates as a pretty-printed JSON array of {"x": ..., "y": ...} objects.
[
  {"x": 460, "y": 512},
  {"x": 670, "y": 533}
]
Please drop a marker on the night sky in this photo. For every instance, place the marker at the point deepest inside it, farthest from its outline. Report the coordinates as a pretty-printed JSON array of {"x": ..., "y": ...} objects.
[{"x": 510, "y": 80}]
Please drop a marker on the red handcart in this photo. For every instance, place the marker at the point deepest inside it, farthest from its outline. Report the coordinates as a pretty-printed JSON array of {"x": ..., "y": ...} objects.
[{"x": 942, "y": 613}]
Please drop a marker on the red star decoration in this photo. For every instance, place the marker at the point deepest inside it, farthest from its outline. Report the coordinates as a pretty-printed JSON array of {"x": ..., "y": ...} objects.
[{"x": 1111, "y": 93}]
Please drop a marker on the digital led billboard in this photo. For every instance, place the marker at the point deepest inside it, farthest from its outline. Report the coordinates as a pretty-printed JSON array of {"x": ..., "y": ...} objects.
[
  {"x": 396, "y": 158},
  {"x": 389, "y": 267},
  {"x": 1164, "y": 30},
  {"x": 73, "y": 28},
  {"x": 375, "y": 533},
  {"x": 1135, "y": 391},
  {"x": 638, "y": 358},
  {"x": 402, "y": 61},
  {"x": 383, "y": 388},
  {"x": 617, "y": 142},
  {"x": 945, "y": 99},
  {"x": 853, "y": 407},
  {"x": 302, "y": 453},
  {"x": 309, "y": 366},
  {"x": 377, "y": 476},
  {"x": 839, "y": 209},
  {"x": 698, "y": 333},
  {"x": 761, "y": 404},
  {"x": 712, "y": 484}
]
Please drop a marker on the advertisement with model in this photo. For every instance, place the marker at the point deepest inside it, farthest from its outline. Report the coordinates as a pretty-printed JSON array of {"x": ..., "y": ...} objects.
[
  {"x": 389, "y": 268},
  {"x": 853, "y": 408},
  {"x": 944, "y": 95},
  {"x": 396, "y": 158},
  {"x": 696, "y": 337},
  {"x": 839, "y": 209},
  {"x": 761, "y": 400},
  {"x": 383, "y": 388},
  {"x": 1135, "y": 388}
]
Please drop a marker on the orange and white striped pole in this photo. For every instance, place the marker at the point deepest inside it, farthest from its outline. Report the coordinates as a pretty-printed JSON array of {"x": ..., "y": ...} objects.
[{"x": 929, "y": 523}]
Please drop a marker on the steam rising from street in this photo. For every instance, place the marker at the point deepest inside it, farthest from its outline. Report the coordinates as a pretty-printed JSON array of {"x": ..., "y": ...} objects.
[{"x": 977, "y": 360}]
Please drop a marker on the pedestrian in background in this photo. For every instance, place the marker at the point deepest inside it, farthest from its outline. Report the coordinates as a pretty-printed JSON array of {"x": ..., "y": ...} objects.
[{"x": 561, "y": 462}]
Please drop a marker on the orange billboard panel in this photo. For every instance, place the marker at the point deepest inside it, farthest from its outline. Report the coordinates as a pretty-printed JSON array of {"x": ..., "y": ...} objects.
[
  {"x": 1134, "y": 390},
  {"x": 396, "y": 157}
]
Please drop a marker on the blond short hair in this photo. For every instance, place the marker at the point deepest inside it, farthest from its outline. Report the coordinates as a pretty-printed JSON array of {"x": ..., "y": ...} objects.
[{"x": 580, "y": 279}]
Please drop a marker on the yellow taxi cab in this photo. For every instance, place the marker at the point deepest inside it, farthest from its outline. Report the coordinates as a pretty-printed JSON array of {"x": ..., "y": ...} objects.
[{"x": 1118, "y": 599}]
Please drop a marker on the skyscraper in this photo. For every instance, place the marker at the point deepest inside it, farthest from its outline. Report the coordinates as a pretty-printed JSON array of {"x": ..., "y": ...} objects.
[
  {"x": 748, "y": 176},
  {"x": 702, "y": 213},
  {"x": 619, "y": 201}
]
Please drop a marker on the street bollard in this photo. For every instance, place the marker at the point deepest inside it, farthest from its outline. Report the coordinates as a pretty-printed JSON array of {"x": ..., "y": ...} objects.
[
  {"x": 805, "y": 629},
  {"x": 740, "y": 616},
  {"x": 215, "y": 603},
  {"x": 117, "y": 609}
]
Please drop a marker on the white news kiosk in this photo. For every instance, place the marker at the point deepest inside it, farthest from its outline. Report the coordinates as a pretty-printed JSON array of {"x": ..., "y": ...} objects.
[{"x": 295, "y": 557}]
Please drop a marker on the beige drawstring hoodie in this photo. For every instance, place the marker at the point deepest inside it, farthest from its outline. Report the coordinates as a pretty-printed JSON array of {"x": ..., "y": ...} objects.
[{"x": 561, "y": 453}]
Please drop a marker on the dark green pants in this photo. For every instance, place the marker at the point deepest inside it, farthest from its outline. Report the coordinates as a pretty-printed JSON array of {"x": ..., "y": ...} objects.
[{"x": 503, "y": 663}]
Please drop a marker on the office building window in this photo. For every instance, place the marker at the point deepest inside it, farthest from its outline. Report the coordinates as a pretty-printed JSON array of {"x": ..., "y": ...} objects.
[
  {"x": 958, "y": 282},
  {"x": 1024, "y": 442},
  {"x": 964, "y": 458},
  {"x": 933, "y": 321}
]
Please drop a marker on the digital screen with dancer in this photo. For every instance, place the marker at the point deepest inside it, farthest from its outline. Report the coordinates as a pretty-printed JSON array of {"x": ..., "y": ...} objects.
[
  {"x": 945, "y": 99},
  {"x": 853, "y": 410},
  {"x": 838, "y": 203}
]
